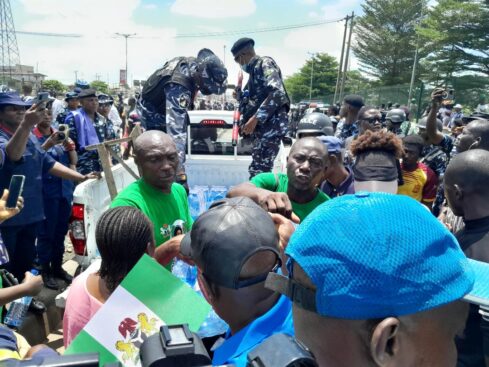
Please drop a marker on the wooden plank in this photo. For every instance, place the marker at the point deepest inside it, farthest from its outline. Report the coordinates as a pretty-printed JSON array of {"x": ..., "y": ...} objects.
[
  {"x": 123, "y": 164},
  {"x": 104, "y": 157},
  {"x": 108, "y": 142}
]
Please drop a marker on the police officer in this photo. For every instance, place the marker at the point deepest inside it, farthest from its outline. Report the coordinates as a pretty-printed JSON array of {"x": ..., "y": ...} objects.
[
  {"x": 72, "y": 104},
  {"x": 315, "y": 124},
  {"x": 394, "y": 119},
  {"x": 169, "y": 92},
  {"x": 265, "y": 117}
]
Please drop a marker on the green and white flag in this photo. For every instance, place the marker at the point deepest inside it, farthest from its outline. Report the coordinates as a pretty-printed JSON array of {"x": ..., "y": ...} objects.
[{"x": 148, "y": 297}]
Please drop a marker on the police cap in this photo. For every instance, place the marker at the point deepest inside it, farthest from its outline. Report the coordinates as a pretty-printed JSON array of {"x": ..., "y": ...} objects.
[
  {"x": 241, "y": 44},
  {"x": 85, "y": 93},
  {"x": 354, "y": 100}
]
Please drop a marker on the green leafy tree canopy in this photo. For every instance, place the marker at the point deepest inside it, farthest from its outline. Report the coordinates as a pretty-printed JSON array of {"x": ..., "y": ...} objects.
[
  {"x": 322, "y": 69},
  {"x": 385, "y": 38},
  {"x": 100, "y": 86},
  {"x": 54, "y": 85}
]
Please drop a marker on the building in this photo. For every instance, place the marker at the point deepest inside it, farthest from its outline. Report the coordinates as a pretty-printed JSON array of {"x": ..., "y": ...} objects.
[{"x": 18, "y": 75}]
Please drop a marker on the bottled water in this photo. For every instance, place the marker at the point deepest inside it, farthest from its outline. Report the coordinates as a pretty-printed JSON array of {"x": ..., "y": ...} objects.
[
  {"x": 197, "y": 200},
  {"x": 18, "y": 309},
  {"x": 215, "y": 193},
  {"x": 185, "y": 272}
]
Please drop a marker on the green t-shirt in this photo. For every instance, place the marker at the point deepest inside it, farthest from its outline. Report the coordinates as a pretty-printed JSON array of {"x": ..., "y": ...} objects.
[
  {"x": 268, "y": 181},
  {"x": 163, "y": 210}
]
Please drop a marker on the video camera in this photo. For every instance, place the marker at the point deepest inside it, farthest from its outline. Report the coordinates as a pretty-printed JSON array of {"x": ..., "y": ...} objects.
[{"x": 177, "y": 346}]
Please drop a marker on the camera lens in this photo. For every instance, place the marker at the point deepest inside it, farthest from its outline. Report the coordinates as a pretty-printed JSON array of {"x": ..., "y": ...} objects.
[{"x": 62, "y": 136}]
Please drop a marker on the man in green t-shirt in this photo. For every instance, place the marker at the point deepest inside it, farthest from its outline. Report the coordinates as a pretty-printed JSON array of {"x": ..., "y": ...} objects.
[
  {"x": 157, "y": 194},
  {"x": 295, "y": 194}
]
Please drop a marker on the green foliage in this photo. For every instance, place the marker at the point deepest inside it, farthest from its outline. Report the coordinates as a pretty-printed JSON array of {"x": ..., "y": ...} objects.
[
  {"x": 385, "y": 39},
  {"x": 456, "y": 34},
  {"x": 55, "y": 85},
  {"x": 323, "y": 68},
  {"x": 100, "y": 86}
]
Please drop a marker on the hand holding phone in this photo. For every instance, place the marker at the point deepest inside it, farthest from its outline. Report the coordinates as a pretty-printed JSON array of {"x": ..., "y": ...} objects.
[
  {"x": 10, "y": 212},
  {"x": 14, "y": 191}
]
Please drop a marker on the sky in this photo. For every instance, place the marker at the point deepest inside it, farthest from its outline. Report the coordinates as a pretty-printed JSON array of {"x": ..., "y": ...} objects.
[{"x": 159, "y": 25}]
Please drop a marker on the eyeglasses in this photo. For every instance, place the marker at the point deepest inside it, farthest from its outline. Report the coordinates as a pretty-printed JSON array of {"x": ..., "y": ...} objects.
[{"x": 373, "y": 120}]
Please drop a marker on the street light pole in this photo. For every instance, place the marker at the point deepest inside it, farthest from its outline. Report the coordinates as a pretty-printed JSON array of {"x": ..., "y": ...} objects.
[
  {"x": 126, "y": 36},
  {"x": 312, "y": 74}
]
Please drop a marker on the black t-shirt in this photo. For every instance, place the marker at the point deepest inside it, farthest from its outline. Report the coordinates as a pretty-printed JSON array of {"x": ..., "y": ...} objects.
[{"x": 474, "y": 344}]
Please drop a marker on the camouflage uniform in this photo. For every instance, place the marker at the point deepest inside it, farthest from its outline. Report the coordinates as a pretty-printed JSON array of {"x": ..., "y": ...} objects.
[
  {"x": 88, "y": 161},
  {"x": 343, "y": 131},
  {"x": 178, "y": 99},
  {"x": 267, "y": 94},
  {"x": 60, "y": 119},
  {"x": 437, "y": 157}
]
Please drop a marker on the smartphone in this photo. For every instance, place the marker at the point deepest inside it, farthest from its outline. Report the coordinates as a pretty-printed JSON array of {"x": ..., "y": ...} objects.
[
  {"x": 15, "y": 190},
  {"x": 42, "y": 98}
]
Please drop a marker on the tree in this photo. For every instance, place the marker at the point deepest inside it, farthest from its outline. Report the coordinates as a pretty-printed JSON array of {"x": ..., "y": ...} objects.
[
  {"x": 54, "y": 85},
  {"x": 100, "y": 86},
  {"x": 385, "y": 38},
  {"x": 323, "y": 69},
  {"x": 456, "y": 33}
]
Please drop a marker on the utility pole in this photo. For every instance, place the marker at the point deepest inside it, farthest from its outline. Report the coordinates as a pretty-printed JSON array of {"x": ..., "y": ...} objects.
[
  {"x": 10, "y": 56},
  {"x": 126, "y": 36},
  {"x": 224, "y": 62},
  {"x": 347, "y": 55},
  {"x": 340, "y": 67},
  {"x": 76, "y": 76},
  {"x": 312, "y": 74},
  {"x": 413, "y": 74}
]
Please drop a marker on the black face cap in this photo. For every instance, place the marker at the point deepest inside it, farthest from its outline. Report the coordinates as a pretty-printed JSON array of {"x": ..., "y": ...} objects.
[
  {"x": 354, "y": 100},
  {"x": 241, "y": 44},
  {"x": 226, "y": 236}
]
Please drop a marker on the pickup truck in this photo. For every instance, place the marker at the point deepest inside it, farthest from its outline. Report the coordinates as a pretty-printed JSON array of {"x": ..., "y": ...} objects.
[{"x": 211, "y": 161}]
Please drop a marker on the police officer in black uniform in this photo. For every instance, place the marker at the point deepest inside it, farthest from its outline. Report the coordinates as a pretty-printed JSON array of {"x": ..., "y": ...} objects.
[
  {"x": 265, "y": 114},
  {"x": 170, "y": 91}
]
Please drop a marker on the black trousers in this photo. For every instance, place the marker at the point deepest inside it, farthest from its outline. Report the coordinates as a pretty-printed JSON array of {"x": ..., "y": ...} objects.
[{"x": 21, "y": 245}]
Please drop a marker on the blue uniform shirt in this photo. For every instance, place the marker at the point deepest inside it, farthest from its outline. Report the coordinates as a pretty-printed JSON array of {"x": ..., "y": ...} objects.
[
  {"x": 236, "y": 347},
  {"x": 52, "y": 186},
  {"x": 33, "y": 164}
]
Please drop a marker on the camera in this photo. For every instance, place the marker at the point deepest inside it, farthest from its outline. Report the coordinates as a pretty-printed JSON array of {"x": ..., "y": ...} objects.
[
  {"x": 177, "y": 346},
  {"x": 63, "y": 131}
]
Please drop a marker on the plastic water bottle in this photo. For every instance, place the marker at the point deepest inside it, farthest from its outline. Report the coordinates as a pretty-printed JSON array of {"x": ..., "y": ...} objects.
[
  {"x": 18, "y": 309},
  {"x": 197, "y": 200},
  {"x": 185, "y": 272},
  {"x": 215, "y": 193}
]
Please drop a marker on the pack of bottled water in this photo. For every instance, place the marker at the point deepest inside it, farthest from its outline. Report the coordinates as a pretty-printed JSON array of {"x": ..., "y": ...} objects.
[{"x": 201, "y": 197}]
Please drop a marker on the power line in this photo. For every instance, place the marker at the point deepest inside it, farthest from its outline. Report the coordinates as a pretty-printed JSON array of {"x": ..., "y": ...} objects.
[
  {"x": 259, "y": 30},
  {"x": 193, "y": 35}
]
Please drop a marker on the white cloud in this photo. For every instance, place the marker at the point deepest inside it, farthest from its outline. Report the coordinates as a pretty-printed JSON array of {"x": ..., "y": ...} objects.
[
  {"x": 150, "y": 6},
  {"x": 99, "y": 51},
  {"x": 309, "y": 2},
  {"x": 313, "y": 14},
  {"x": 214, "y": 8}
]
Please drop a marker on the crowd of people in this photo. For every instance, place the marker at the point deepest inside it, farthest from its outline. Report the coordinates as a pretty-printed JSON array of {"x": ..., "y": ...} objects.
[{"x": 366, "y": 250}]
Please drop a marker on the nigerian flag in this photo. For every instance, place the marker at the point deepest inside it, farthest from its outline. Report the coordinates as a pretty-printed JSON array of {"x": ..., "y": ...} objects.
[{"x": 148, "y": 297}]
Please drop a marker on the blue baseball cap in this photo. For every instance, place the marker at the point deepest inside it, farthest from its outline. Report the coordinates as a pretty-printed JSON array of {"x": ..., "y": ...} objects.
[
  {"x": 373, "y": 255},
  {"x": 332, "y": 143},
  {"x": 12, "y": 98}
]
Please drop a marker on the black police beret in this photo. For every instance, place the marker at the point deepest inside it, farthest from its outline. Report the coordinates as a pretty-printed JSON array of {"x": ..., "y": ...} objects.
[
  {"x": 242, "y": 43},
  {"x": 87, "y": 93},
  {"x": 354, "y": 100}
]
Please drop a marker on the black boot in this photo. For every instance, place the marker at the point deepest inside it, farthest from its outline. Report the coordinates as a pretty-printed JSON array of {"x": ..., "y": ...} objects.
[
  {"x": 48, "y": 278},
  {"x": 62, "y": 274}
]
